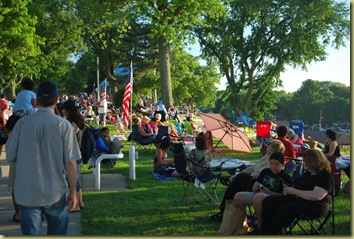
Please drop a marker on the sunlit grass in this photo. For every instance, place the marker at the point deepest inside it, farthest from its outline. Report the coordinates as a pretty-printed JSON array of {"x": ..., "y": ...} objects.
[{"x": 150, "y": 208}]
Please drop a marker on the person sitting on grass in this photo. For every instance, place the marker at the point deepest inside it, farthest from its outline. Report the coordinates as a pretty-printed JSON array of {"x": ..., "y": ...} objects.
[
  {"x": 269, "y": 182},
  {"x": 161, "y": 165}
]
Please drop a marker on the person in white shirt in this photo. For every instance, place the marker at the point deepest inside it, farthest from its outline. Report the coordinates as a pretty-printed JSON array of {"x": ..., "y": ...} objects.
[{"x": 102, "y": 109}]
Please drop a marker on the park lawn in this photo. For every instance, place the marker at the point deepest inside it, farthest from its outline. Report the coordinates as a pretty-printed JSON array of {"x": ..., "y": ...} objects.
[{"x": 151, "y": 208}]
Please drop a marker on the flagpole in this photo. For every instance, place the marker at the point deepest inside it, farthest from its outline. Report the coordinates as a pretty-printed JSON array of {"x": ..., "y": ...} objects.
[
  {"x": 132, "y": 154},
  {"x": 98, "y": 80}
]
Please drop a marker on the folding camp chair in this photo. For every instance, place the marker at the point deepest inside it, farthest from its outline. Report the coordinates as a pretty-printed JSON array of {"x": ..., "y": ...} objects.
[
  {"x": 206, "y": 184},
  {"x": 316, "y": 223},
  {"x": 187, "y": 178},
  {"x": 263, "y": 134},
  {"x": 134, "y": 137},
  {"x": 162, "y": 132},
  {"x": 337, "y": 174},
  {"x": 297, "y": 126}
]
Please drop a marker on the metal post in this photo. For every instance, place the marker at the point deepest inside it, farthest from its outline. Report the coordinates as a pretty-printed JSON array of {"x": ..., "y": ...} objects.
[
  {"x": 132, "y": 162},
  {"x": 97, "y": 169},
  {"x": 98, "y": 80}
]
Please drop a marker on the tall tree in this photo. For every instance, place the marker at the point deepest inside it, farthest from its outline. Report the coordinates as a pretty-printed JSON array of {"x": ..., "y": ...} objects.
[
  {"x": 104, "y": 24},
  {"x": 257, "y": 39},
  {"x": 19, "y": 43},
  {"x": 192, "y": 83},
  {"x": 169, "y": 20},
  {"x": 61, "y": 30}
]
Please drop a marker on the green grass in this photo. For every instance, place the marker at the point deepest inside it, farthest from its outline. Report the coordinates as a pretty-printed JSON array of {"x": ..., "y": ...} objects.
[{"x": 150, "y": 208}]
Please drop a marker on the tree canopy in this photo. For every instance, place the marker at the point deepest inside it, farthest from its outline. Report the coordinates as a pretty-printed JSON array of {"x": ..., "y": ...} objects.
[
  {"x": 254, "y": 42},
  {"x": 248, "y": 42}
]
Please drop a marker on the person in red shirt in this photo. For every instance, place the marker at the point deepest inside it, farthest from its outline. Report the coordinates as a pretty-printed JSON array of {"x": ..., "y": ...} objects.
[
  {"x": 289, "y": 152},
  {"x": 289, "y": 147}
]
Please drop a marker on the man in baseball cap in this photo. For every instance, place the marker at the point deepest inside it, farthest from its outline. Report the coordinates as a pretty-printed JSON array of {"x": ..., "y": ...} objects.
[{"x": 45, "y": 149}]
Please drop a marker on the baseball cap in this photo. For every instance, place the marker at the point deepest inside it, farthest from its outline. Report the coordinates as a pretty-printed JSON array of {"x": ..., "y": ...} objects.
[
  {"x": 70, "y": 105},
  {"x": 48, "y": 90},
  {"x": 306, "y": 146}
]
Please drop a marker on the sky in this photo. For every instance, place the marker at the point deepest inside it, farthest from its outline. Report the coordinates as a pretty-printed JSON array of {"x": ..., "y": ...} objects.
[{"x": 335, "y": 68}]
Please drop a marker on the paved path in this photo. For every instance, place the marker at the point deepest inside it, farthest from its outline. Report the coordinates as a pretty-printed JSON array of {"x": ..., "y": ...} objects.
[{"x": 109, "y": 182}]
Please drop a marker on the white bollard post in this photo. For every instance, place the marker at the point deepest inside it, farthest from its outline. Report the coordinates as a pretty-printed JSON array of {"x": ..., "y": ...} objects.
[{"x": 132, "y": 162}]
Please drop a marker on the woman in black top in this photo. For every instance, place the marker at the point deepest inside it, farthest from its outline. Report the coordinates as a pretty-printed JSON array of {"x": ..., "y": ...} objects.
[
  {"x": 309, "y": 195},
  {"x": 331, "y": 146}
]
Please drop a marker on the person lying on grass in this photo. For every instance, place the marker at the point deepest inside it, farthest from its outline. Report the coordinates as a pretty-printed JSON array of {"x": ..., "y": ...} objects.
[{"x": 269, "y": 182}]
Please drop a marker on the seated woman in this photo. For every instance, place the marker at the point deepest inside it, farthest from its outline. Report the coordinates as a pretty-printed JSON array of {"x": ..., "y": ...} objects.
[
  {"x": 172, "y": 112},
  {"x": 244, "y": 180},
  {"x": 145, "y": 123},
  {"x": 294, "y": 138},
  {"x": 209, "y": 140},
  {"x": 309, "y": 195},
  {"x": 155, "y": 122},
  {"x": 162, "y": 111},
  {"x": 331, "y": 148},
  {"x": 143, "y": 137},
  {"x": 269, "y": 182},
  {"x": 161, "y": 165},
  {"x": 201, "y": 156}
]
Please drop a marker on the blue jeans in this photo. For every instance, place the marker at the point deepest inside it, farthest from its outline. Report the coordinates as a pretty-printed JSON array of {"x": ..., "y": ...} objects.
[
  {"x": 78, "y": 182},
  {"x": 57, "y": 217}
]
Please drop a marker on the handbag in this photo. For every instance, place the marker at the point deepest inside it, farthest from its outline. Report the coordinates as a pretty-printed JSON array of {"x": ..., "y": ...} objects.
[
  {"x": 3, "y": 136},
  {"x": 234, "y": 221}
]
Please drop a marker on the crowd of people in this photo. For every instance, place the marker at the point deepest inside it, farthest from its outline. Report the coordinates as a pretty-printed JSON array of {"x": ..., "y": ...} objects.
[
  {"x": 284, "y": 180},
  {"x": 44, "y": 170}
]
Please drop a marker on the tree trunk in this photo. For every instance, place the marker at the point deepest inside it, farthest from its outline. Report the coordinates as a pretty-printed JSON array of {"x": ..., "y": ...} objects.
[
  {"x": 165, "y": 73},
  {"x": 11, "y": 91}
]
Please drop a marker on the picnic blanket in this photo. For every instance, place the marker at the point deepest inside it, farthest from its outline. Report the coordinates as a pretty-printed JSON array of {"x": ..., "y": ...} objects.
[
  {"x": 229, "y": 163},
  {"x": 120, "y": 137},
  {"x": 162, "y": 178}
]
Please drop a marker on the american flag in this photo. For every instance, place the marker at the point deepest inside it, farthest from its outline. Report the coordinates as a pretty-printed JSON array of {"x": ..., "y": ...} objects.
[{"x": 126, "y": 99}]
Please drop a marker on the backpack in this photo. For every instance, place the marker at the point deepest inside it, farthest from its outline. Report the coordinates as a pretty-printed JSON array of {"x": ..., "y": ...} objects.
[{"x": 88, "y": 145}]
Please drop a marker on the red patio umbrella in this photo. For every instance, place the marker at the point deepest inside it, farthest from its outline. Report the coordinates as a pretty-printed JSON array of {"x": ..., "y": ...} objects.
[{"x": 226, "y": 132}]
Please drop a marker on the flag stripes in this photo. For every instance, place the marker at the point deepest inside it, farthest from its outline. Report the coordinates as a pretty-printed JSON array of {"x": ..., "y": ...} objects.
[{"x": 126, "y": 100}]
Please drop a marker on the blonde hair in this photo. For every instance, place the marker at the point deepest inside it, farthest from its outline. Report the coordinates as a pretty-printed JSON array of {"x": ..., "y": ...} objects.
[
  {"x": 276, "y": 145},
  {"x": 136, "y": 120},
  {"x": 316, "y": 160},
  {"x": 146, "y": 119},
  {"x": 157, "y": 116}
]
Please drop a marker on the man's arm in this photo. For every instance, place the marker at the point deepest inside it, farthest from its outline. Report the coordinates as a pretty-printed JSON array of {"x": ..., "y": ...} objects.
[{"x": 71, "y": 171}]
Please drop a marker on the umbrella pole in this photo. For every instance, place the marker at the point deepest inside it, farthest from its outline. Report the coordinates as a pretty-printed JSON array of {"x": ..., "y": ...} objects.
[{"x": 218, "y": 142}]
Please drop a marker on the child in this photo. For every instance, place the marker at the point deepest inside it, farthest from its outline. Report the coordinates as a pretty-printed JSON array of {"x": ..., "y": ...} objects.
[
  {"x": 26, "y": 103},
  {"x": 119, "y": 125},
  {"x": 161, "y": 165},
  {"x": 105, "y": 133},
  {"x": 269, "y": 182},
  {"x": 115, "y": 144}
]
